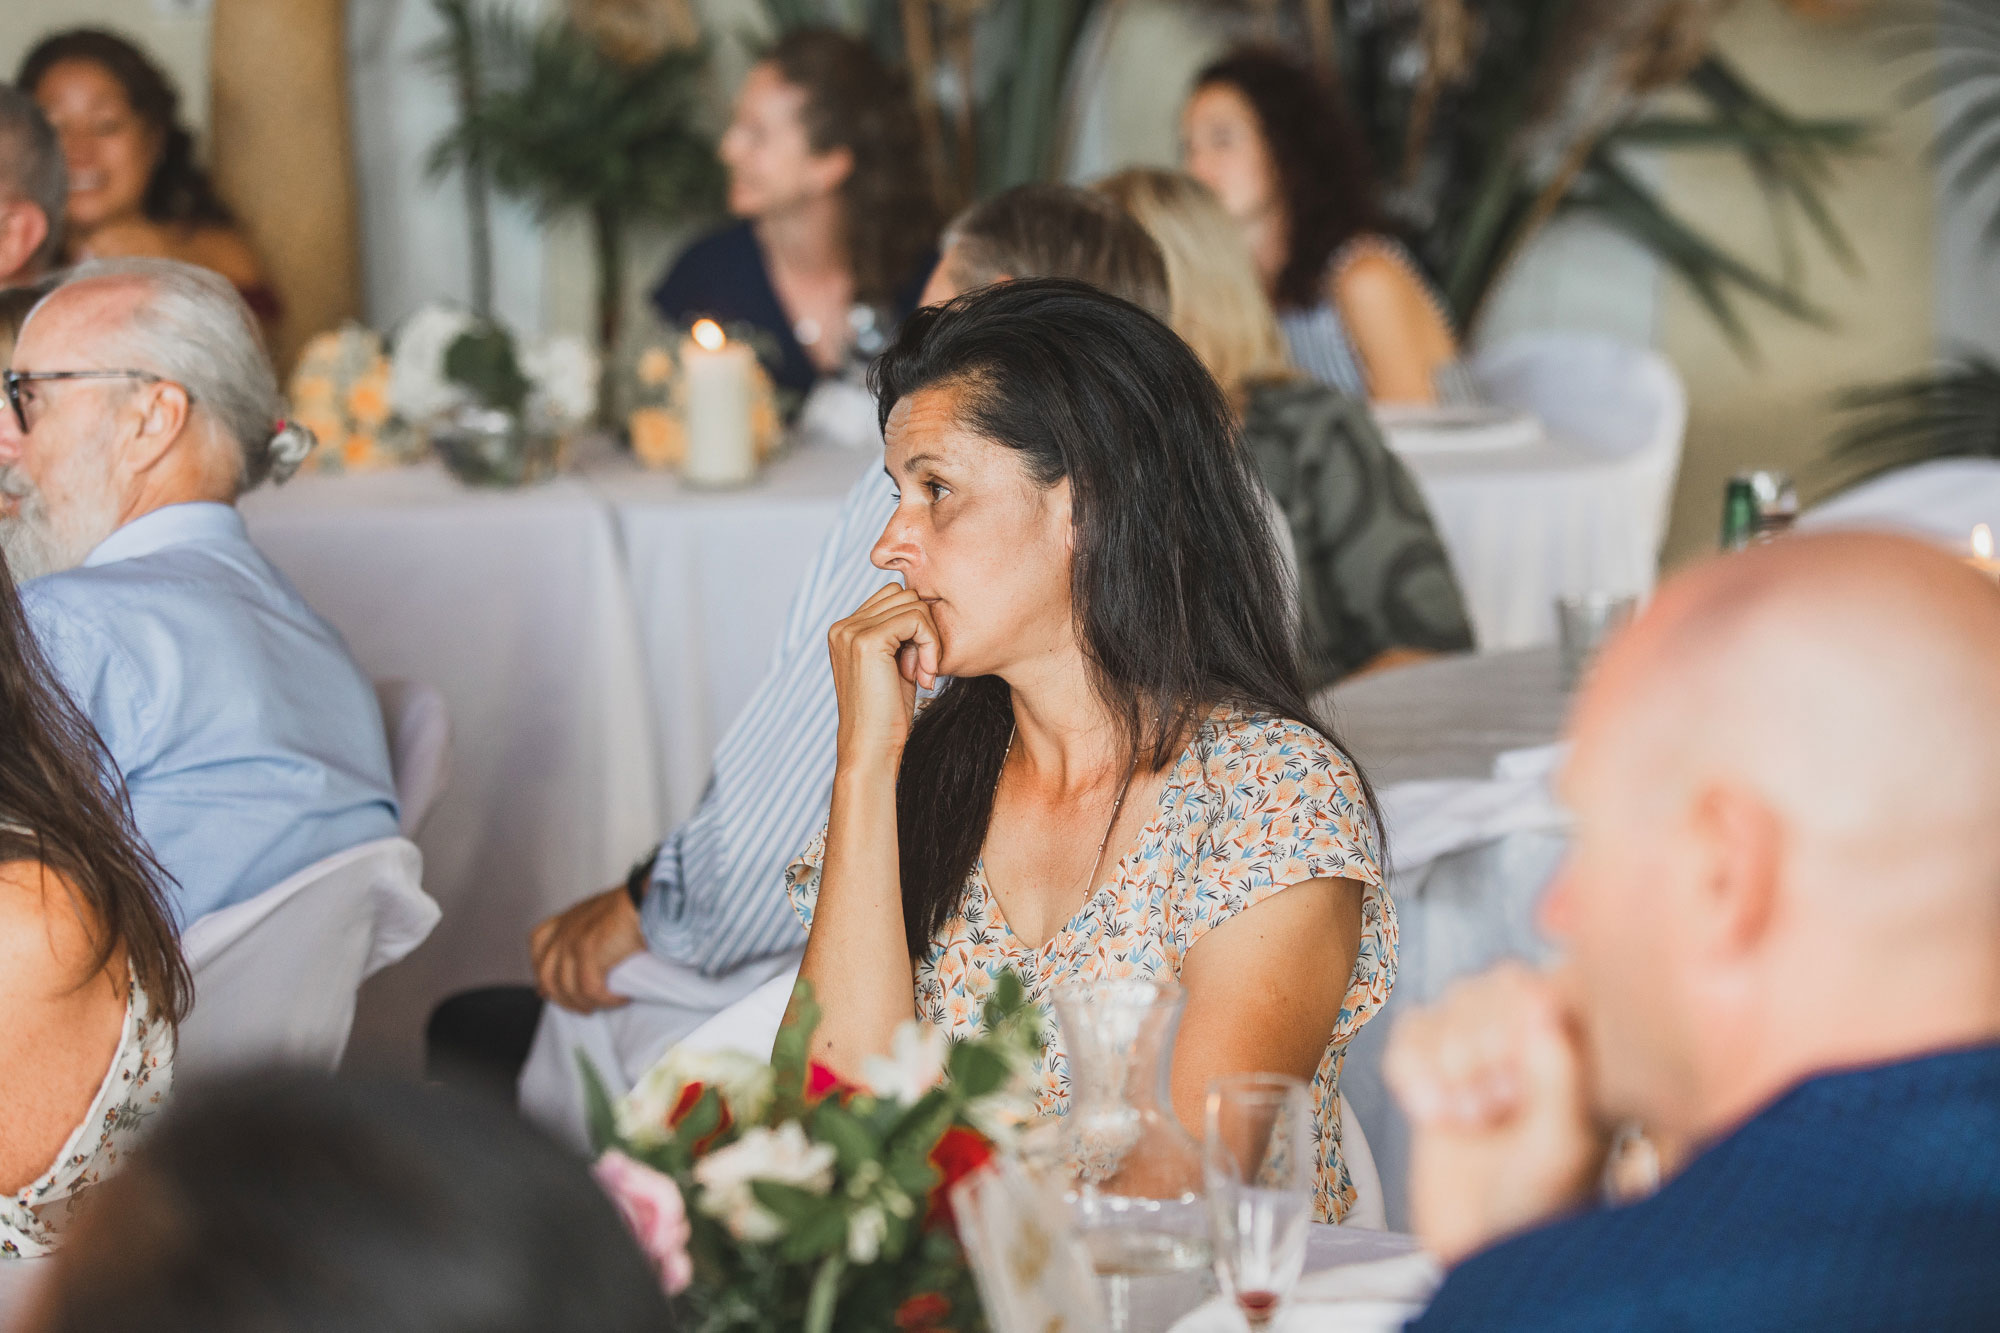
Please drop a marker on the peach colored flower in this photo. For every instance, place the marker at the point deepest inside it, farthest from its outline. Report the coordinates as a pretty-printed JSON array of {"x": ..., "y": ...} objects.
[{"x": 658, "y": 438}]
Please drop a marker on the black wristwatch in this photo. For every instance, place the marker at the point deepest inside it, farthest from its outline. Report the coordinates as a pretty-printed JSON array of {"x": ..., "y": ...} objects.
[{"x": 640, "y": 875}]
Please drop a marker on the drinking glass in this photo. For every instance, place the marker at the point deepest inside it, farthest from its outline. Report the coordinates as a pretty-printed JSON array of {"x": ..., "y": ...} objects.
[
  {"x": 1583, "y": 623},
  {"x": 1257, "y": 1165}
]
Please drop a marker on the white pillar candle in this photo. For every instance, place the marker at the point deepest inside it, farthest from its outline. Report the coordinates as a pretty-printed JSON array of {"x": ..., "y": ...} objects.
[{"x": 717, "y": 377}]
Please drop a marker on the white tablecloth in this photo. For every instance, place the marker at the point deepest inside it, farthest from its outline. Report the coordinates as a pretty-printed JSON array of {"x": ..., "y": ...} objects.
[
  {"x": 592, "y": 636},
  {"x": 1527, "y": 524},
  {"x": 1485, "y": 859}
]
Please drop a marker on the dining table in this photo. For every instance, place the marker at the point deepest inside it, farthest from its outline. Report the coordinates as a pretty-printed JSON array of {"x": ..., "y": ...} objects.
[{"x": 591, "y": 636}]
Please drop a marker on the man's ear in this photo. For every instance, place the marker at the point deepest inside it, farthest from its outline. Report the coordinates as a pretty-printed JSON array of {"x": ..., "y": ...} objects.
[
  {"x": 1742, "y": 844},
  {"x": 23, "y": 228},
  {"x": 161, "y": 412}
]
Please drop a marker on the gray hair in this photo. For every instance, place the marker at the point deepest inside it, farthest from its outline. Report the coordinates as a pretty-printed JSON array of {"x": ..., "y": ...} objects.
[
  {"x": 31, "y": 168},
  {"x": 193, "y": 328}
]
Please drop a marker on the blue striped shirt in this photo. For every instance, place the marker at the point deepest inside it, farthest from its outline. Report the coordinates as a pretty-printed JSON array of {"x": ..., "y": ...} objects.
[{"x": 717, "y": 898}]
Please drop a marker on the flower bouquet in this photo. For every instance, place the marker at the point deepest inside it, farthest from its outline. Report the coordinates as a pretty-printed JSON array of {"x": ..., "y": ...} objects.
[
  {"x": 774, "y": 1196},
  {"x": 497, "y": 411},
  {"x": 654, "y": 390},
  {"x": 340, "y": 392}
]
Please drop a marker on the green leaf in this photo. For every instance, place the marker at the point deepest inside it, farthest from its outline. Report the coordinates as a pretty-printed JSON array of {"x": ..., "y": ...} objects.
[
  {"x": 838, "y": 1127},
  {"x": 825, "y": 1293},
  {"x": 1950, "y": 412},
  {"x": 482, "y": 359},
  {"x": 702, "y": 1120},
  {"x": 977, "y": 1068},
  {"x": 598, "y": 1114}
]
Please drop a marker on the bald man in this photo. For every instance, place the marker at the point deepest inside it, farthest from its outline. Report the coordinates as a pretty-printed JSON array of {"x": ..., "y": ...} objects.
[{"x": 1781, "y": 930}]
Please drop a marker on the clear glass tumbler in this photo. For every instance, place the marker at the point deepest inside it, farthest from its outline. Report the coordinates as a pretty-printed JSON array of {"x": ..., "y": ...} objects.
[{"x": 1257, "y": 1164}]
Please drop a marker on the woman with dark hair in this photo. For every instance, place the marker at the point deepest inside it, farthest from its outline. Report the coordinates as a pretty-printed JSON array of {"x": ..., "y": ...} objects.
[
  {"x": 1122, "y": 775},
  {"x": 838, "y": 226},
  {"x": 292, "y": 1201},
  {"x": 1279, "y": 147},
  {"x": 92, "y": 982},
  {"x": 135, "y": 188}
]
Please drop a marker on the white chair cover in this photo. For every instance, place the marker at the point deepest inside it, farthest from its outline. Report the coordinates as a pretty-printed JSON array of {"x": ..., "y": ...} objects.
[
  {"x": 1940, "y": 500},
  {"x": 275, "y": 977},
  {"x": 419, "y": 729},
  {"x": 1586, "y": 511}
]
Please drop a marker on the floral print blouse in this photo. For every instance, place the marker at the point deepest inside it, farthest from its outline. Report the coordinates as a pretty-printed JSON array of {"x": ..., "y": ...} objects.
[
  {"x": 1255, "y": 804},
  {"x": 133, "y": 1091}
]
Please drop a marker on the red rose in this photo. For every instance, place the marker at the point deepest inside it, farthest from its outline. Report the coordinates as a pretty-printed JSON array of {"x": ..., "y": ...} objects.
[
  {"x": 820, "y": 1081},
  {"x": 959, "y": 1152},
  {"x": 685, "y": 1106},
  {"x": 922, "y": 1312}
]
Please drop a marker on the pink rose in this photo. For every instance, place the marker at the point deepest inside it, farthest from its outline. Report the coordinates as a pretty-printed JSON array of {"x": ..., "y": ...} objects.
[{"x": 653, "y": 1211}]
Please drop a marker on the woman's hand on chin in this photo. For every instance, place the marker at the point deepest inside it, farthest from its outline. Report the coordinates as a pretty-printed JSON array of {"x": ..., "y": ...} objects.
[{"x": 881, "y": 654}]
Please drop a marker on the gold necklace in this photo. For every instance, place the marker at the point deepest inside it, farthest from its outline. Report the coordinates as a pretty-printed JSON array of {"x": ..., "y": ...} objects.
[{"x": 1096, "y": 862}]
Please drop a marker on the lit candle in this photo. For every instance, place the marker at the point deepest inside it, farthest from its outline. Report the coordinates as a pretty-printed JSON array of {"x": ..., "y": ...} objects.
[
  {"x": 1982, "y": 552},
  {"x": 716, "y": 379}
]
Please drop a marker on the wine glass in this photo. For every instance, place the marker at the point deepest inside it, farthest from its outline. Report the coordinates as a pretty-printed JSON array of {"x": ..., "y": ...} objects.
[{"x": 1257, "y": 1164}]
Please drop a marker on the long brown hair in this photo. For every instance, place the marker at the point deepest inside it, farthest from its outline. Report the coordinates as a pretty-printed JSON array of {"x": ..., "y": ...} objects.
[
  {"x": 856, "y": 102},
  {"x": 1325, "y": 177},
  {"x": 179, "y": 190},
  {"x": 64, "y": 805}
]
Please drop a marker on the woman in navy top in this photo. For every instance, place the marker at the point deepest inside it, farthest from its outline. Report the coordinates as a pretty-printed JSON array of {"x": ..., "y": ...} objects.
[{"x": 837, "y": 222}]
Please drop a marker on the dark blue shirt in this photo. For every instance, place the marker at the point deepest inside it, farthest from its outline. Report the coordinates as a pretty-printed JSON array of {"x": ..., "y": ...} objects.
[
  {"x": 722, "y": 277},
  {"x": 1868, "y": 1199}
]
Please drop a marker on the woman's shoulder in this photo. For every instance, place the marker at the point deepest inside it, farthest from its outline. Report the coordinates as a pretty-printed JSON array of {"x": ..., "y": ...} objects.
[
  {"x": 48, "y": 934},
  {"x": 1245, "y": 746},
  {"x": 223, "y": 250}
]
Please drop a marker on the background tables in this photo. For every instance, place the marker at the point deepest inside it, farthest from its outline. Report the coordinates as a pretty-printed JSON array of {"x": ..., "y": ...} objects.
[{"x": 590, "y": 635}]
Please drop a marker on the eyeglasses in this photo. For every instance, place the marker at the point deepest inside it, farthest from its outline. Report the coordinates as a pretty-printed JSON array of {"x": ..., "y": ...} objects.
[{"x": 14, "y": 379}]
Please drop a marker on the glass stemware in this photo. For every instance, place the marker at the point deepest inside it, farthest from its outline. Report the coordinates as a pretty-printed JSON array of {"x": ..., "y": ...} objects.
[{"x": 1257, "y": 1164}]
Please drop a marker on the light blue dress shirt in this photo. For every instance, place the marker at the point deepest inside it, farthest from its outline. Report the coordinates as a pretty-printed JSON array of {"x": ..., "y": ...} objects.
[
  {"x": 251, "y": 743},
  {"x": 717, "y": 899}
]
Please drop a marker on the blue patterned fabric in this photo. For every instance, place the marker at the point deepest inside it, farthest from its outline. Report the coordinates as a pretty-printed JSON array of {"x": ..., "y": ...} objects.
[
  {"x": 1868, "y": 1199},
  {"x": 717, "y": 897}
]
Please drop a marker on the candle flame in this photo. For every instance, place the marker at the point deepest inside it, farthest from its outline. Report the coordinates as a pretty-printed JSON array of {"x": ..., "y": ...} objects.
[
  {"x": 709, "y": 334},
  {"x": 1982, "y": 542}
]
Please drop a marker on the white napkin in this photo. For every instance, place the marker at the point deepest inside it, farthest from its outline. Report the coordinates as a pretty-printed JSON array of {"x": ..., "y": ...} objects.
[
  {"x": 1376, "y": 1297},
  {"x": 1434, "y": 818}
]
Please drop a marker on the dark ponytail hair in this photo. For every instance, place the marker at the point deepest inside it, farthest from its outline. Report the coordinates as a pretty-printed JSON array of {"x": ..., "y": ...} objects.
[
  {"x": 179, "y": 190},
  {"x": 63, "y": 804},
  {"x": 1326, "y": 178},
  {"x": 1180, "y": 596}
]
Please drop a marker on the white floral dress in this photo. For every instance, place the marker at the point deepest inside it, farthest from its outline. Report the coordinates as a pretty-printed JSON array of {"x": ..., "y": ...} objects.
[
  {"x": 1255, "y": 804},
  {"x": 134, "y": 1089}
]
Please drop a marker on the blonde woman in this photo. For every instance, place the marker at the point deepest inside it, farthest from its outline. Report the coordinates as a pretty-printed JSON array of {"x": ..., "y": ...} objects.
[{"x": 1374, "y": 581}]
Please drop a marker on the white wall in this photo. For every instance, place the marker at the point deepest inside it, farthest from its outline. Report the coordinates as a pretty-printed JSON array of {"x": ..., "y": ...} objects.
[{"x": 175, "y": 31}]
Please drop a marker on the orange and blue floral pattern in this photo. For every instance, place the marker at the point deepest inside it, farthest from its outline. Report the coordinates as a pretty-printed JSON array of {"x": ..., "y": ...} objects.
[{"x": 1254, "y": 805}]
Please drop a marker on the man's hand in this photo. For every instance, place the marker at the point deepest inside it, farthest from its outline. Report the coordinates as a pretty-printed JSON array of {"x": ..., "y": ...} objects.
[
  {"x": 1504, "y": 1137},
  {"x": 574, "y": 950}
]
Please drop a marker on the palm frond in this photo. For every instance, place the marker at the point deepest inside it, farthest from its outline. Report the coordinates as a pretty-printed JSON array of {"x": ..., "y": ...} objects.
[{"x": 1950, "y": 412}]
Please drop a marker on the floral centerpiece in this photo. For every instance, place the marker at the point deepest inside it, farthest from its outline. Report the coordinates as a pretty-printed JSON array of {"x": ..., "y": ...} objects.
[
  {"x": 654, "y": 389},
  {"x": 775, "y": 1196},
  {"x": 495, "y": 409},
  {"x": 340, "y": 392}
]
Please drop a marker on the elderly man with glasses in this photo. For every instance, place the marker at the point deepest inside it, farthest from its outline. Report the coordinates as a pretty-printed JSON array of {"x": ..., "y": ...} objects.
[{"x": 140, "y": 404}]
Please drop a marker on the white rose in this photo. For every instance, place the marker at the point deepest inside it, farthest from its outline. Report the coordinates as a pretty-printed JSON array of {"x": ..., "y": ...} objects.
[
  {"x": 784, "y": 1155},
  {"x": 913, "y": 1066},
  {"x": 563, "y": 371},
  {"x": 418, "y": 388},
  {"x": 743, "y": 1082}
]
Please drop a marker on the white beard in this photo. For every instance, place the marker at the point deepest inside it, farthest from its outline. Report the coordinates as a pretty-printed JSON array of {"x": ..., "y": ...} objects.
[{"x": 37, "y": 541}]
